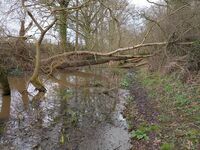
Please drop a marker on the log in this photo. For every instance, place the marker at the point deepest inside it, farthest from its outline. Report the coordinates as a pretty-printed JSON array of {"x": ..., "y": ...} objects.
[
  {"x": 96, "y": 54},
  {"x": 85, "y": 58},
  {"x": 92, "y": 61}
]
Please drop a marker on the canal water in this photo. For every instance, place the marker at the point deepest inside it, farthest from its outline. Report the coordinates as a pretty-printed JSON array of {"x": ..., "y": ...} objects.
[{"x": 81, "y": 110}]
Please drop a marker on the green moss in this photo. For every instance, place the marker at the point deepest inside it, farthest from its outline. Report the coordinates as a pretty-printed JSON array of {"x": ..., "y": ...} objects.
[{"x": 167, "y": 146}]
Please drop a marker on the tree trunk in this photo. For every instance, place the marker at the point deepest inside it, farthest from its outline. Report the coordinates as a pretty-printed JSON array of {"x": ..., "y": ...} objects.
[
  {"x": 88, "y": 38},
  {"x": 77, "y": 26},
  {"x": 63, "y": 30},
  {"x": 112, "y": 35},
  {"x": 96, "y": 61},
  {"x": 35, "y": 77}
]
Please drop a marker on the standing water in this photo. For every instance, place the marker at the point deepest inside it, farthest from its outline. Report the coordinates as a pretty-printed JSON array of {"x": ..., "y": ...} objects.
[{"x": 82, "y": 110}]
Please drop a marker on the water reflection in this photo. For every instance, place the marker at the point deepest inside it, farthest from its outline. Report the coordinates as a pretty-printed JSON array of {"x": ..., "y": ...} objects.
[
  {"x": 77, "y": 105},
  {"x": 19, "y": 87},
  {"x": 4, "y": 101},
  {"x": 4, "y": 85},
  {"x": 5, "y": 107}
]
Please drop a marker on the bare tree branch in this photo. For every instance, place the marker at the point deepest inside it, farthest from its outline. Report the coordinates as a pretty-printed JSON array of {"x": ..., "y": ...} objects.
[
  {"x": 157, "y": 4},
  {"x": 174, "y": 12}
]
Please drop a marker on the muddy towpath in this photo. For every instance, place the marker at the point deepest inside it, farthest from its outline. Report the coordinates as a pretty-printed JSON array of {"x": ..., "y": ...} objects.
[{"x": 141, "y": 115}]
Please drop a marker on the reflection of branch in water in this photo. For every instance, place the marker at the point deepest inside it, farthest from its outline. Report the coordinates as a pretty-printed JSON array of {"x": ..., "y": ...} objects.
[
  {"x": 86, "y": 75},
  {"x": 38, "y": 97},
  {"x": 36, "y": 105},
  {"x": 19, "y": 83},
  {"x": 79, "y": 84},
  {"x": 101, "y": 76},
  {"x": 63, "y": 83},
  {"x": 25, "y": 98}
]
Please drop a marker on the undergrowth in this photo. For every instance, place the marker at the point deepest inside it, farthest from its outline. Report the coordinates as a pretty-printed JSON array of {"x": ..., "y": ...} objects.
[{"x": 178, "y": 105}]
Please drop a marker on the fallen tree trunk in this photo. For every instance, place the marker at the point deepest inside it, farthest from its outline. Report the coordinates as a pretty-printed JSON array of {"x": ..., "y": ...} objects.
[
  {"x": 85, "y": 58},
  {"x": 91, "y": 62},
  {"x": 96, "y": 54}
]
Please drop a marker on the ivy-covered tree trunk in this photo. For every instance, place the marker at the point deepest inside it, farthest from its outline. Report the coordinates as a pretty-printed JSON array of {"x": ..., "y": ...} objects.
[
  {"x": 88, "y": 40},
  {"x": 63, "y": 25},
  {"x": 77, "y": 26},
  {"x": 63, "y": 30},
  {"x": 112, "y": 35}
]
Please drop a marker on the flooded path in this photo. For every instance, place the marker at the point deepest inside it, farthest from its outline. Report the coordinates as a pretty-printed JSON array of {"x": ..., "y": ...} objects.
[{"x": 82, "y": 110}]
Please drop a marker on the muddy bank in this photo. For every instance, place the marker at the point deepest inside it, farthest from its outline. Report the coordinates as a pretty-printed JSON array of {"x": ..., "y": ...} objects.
[
  {"x": 141, "y": 115},
  {"x": 81, "y": 110}
]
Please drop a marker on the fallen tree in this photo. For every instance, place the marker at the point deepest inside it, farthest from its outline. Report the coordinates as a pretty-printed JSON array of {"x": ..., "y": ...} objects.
[{"x": 87, "y": 58}]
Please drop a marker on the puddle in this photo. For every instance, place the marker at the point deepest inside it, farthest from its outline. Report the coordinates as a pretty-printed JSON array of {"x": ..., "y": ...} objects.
[{"x": 81, "y": 111}]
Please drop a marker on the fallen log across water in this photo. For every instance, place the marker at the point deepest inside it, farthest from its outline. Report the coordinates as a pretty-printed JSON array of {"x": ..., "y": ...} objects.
[
  {"x": 91, "y": 60},
  {"x": 84, "y": 58},
  {"x": 97, "y": 61},
  {"x": 87, "y": 58}
]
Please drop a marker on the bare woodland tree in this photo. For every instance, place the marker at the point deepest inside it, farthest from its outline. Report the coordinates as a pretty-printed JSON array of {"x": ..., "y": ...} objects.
[{"x": 99, "y": 26}]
